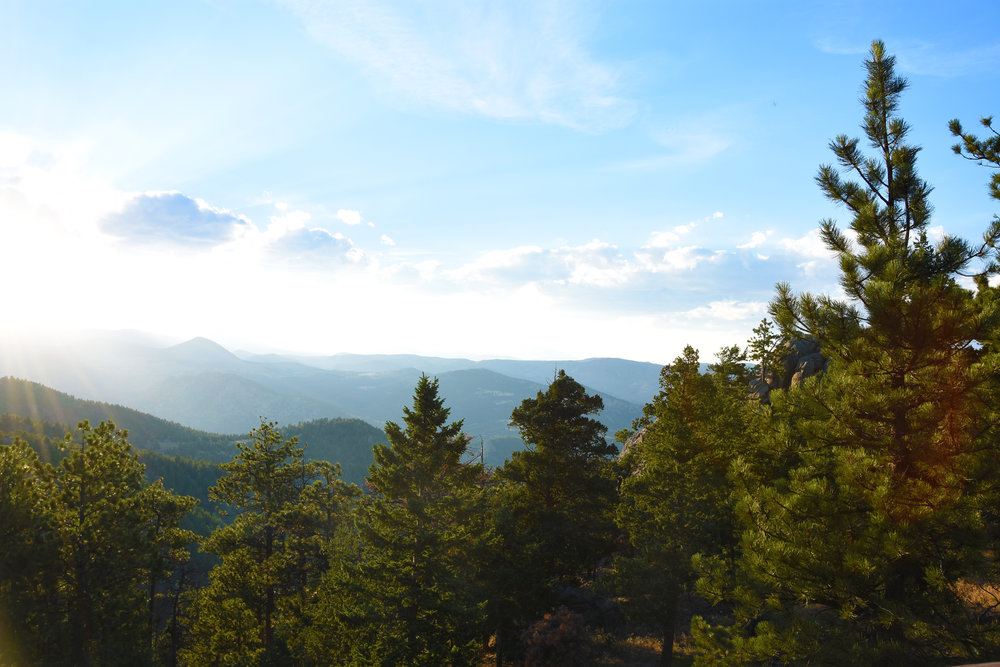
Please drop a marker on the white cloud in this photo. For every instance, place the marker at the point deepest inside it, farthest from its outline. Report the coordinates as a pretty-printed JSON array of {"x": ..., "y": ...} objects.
[
  {"x": 668, "y": 238},
  {"x": 809, "y": 245},
  {"x": 280, "y": 225},
  {"x": 520, "y": 264},
  {"x": 810, "y": 268},
  {"x": 173, "y": 217},
  {"x": 349, "y": 217},
  {"x": 596, "y": 264},
  {"x": 729, "y": 310},
  {"x": 499, "y": 60},
  {"x": 756, "y": 239},
  {"x": 677, "y": 259},
  {"x": 385, "y": 239}
]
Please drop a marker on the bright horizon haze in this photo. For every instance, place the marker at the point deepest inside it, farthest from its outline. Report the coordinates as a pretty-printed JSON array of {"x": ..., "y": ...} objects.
[{"x": 534, "y": 180}]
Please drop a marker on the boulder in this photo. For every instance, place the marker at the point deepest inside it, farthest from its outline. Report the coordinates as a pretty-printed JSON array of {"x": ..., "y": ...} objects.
[{"x": 802, "y": 359}]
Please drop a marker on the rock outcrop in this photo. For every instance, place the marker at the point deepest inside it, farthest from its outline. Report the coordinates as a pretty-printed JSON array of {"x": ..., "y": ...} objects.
[{"x": 802, "y": 359}]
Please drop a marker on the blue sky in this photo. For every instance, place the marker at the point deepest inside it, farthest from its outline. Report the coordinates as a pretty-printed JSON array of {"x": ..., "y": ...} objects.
[{"x": 520, "y": 179}]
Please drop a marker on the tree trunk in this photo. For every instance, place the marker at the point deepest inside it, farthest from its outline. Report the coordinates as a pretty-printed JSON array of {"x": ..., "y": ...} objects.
[{"x": 669, "y": 621}]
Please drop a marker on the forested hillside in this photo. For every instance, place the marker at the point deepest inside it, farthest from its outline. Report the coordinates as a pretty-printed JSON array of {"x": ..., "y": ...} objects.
[
  {"x": 827, "y": 495},
  {"x": 43, "y": 416},
  {"x": 35, "y": 401}
]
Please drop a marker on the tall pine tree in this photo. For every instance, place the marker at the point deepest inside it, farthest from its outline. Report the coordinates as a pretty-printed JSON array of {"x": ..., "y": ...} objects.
[
  {"x": 271, "y": 554},
  {"x": 859, "y": 543},
  {"x": 411, "y": 597},
  {"x": 555, "y": 508},
  {"x": 676, "y": 495}
]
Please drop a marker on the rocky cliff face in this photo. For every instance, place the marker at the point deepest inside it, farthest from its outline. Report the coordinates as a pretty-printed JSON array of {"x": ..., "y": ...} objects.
[{"x": 802, "y": 359}]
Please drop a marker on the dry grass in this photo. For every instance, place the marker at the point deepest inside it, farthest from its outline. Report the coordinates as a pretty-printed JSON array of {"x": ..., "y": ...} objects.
[{"x": 982, "y": 596}]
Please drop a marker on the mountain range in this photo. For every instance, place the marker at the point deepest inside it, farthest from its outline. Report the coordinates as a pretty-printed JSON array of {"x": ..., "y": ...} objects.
[{"x": 202, "y": 385}]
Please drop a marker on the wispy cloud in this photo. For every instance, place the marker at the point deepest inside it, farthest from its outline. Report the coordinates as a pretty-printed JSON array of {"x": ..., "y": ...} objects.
[
  {"x": 729, "y": 310},
  {"x": 596, "y": 264},
  {"x": 757, "y": 239},
  {"x": 666, "y": 239},
  {"x": 937, "y": 60},
  {"x": 503, "y": 60},
  {"x": 925, "y": 57}
]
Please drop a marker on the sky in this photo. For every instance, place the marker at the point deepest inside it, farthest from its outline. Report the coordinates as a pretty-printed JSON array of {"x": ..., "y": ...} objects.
[{"x": 535, "y": 180}]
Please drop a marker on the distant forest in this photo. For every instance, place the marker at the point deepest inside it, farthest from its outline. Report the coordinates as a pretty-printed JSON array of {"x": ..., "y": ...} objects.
[{"x": 827, "y": 495}]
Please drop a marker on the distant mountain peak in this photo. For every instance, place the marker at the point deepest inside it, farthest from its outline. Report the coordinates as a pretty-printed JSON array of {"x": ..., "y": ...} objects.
[{"x": 200, "y": 348}]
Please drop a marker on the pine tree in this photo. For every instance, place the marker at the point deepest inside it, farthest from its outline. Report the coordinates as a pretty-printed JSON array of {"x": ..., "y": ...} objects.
[
  {"x": 411, "y": 598},
  {"x": 28, "y": 556},
  {"x": 554, "y": 510},
  {"x": 272, "y": 553},
  {"x": 675, "y": 497},
  {"x": 102, "y": 538},
  {"x": 860, "y": 538}
]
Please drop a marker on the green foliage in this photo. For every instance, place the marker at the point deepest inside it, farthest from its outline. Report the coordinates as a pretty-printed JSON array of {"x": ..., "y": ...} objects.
[
  {"x": 858, "y": 536},
  {"x": 562, "y": 484},
  {"x": 344, "y": 441},
  {"x": 552, "y": 513},
  {"x": 181, "y": 475},
  {"x": 272, "y": 554},
  {"x": 980, "y": 150},
  {"x": 86, "y": 544},
  {"x": 28, "y": 562},
  {"x": 676, "y": 495},
  {"x": 764, "y": 348},
  {"x": 410, "y": 598}
]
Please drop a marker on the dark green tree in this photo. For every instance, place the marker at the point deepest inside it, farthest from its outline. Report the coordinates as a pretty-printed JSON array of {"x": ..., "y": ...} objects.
[
  {"x": 553, "y": 513},
  {"x": 765, "y": 349},
  {"x": 168, "y": 551},
  {"x": 563, "y": 479},
  {"x": 676, "y": 495},
  {"x": 113, "y": 532},
  {"x": 411, "y": 597},
  {"x": 29, "y": 562},
  {"x": 271, "y": 553},
  {"x": 858, "y": 541}
]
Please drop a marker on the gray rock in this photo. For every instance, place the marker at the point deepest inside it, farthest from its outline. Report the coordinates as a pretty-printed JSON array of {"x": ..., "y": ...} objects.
[{"x": 802, "y": 359}]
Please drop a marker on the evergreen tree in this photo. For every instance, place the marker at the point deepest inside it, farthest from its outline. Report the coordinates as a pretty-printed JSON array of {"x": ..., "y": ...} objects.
[
  {"x": 860, "y": 539},
  {"x": 563, "y": 479},
  {"x": 411, "y": 598},
  {"x": 100, "y": 547},
  {"x": 553, "y": 512},
  {"x": 284, "y": 508},
  {"x": 28, "y": 556},
  {"x": 675, "y": 497}
]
